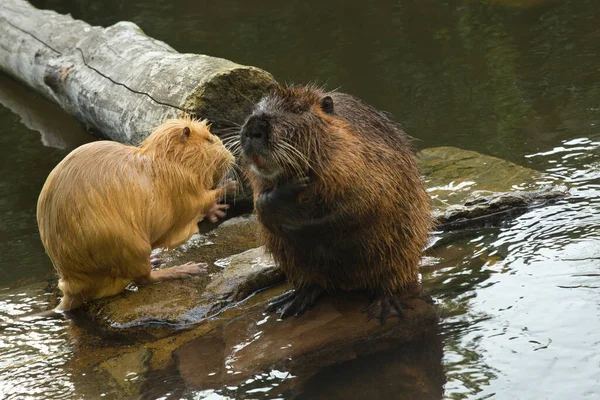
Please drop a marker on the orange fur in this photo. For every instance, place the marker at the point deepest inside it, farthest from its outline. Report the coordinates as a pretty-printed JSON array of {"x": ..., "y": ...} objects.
[{"x": 107, "y": 205}]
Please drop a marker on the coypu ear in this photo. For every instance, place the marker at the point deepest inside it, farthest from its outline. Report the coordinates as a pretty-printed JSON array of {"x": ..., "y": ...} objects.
[
  {"x": 185, "y": 134},
  {"x": 327, "y": 104}
]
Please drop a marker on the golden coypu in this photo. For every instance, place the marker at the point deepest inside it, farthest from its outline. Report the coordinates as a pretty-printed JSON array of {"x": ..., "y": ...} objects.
[
  {"x": 107, "y": 205},
  {"x": 339, "y": 197}
]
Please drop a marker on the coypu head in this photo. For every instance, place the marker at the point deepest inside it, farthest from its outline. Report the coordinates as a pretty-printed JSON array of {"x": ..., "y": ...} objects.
[
  {"x": 286, "y": 131},
  {"x": 187, "y": 142}
]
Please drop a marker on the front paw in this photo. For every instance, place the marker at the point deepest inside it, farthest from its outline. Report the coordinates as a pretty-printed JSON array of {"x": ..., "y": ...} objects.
[
  {"x": 285, "y": 193},
  {"x": 216, "y": 211}
]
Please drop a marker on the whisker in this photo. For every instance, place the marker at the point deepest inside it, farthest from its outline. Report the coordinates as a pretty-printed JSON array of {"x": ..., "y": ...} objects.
[{"x": 285, "y": 154}]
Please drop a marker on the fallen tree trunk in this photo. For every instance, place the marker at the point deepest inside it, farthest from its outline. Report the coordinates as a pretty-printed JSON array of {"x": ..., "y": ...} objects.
[{"x": 117, "y": 81}]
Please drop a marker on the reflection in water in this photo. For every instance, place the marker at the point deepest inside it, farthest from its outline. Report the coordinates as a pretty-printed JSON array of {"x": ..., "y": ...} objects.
[
  {"x": 538, "y": 302},
  {"x": 32, "y": 354},
  {"x": 520, "y": 303}
]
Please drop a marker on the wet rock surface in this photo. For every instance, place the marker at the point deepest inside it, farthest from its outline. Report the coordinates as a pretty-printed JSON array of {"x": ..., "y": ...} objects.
[
  {"x": 335, "y": 331},
  {"x": 485, "y": 208},
  {"x": 175, "y": 304},
  {"x": 451, "y": 174}
]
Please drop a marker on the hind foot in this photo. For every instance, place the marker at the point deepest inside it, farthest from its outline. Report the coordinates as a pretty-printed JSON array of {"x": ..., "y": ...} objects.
[
  {"x": 384, "y": 307},
  {"x": 295, "y": 302},
  {"x": 178, "y": 272}
]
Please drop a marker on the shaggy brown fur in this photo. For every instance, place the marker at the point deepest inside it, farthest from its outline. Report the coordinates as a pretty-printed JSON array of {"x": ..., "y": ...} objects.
[
  {"x": 339, "y": 195},
  {"x": 107, "y": 205}
]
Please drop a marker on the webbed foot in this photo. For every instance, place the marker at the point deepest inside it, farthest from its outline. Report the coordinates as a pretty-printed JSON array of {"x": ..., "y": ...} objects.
[
  {"x": 384, "y": 307},
  {"x": 295, "y": 302}
]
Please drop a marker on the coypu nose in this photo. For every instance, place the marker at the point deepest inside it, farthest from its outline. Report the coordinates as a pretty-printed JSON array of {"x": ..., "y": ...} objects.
[{"x": 257, "y": 127}]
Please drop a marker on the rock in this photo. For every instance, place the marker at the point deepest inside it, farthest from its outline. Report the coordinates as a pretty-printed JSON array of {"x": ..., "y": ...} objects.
[
  {"x": 244, "y": 274},
  {"x": 125, "y": 372},
  {"x": 484, "y": 208},
  {"x": 335, "y": 331},
  {"x": 451, "y": 174},
  {"x": 179, "y": 303}
]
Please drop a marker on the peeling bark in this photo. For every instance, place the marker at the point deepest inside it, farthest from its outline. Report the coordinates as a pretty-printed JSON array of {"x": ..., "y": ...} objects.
[{"x": 117, "y": 81}]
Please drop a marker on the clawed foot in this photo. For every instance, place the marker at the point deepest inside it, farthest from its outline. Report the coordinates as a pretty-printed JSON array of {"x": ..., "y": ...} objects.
[
  {"x": 384, "y": 307},
  {"x": 178, "y": 272},
  {"x": 295, "y": 302},
  {"x": 184, "y": 271},
  {"x": 156, "y": 261},
  {"x": 216, "y": 211}
]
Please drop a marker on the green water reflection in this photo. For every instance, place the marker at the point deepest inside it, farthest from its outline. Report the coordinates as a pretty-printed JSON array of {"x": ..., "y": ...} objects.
[{"x": 501, "y": 77}]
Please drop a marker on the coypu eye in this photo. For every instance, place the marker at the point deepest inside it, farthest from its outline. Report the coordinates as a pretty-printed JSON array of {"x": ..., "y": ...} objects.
[{"x": 297, "y": 109}]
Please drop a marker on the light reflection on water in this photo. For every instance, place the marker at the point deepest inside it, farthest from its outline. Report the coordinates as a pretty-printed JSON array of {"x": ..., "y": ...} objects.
[
  {"x": 530, "y": 328},
  {"x": 32, "y": 353}
]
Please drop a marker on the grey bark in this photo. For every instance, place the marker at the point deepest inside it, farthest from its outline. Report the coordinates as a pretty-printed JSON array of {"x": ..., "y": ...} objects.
[{"x": 117, "y": 81}]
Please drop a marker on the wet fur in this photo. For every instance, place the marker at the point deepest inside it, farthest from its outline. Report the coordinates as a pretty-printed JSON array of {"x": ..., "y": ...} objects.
[
  {"x": 107, "y": 205},
  {"x": 364, "y": 218}
]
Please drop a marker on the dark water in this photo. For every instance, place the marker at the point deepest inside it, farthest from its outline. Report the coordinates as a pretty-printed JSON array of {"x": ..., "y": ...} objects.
[{"x": 514, "y": 79}]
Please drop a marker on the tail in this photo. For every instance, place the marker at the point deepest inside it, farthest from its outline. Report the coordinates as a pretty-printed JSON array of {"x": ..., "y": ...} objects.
[{"x": 69, "y": 303}]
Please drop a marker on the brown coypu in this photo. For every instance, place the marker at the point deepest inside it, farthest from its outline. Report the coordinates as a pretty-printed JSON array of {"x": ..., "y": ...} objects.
[
  {"x": 107, "y": 205},
  {"x": 339, "y": 197}
]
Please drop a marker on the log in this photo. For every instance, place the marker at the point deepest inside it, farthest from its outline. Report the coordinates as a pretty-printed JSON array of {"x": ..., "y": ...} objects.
[{"x": 117, "y": 81}]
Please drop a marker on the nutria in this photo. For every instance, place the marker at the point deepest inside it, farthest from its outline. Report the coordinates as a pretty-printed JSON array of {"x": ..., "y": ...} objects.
[
  {"x": 340, "y": 199},
  {"x": 107, "y": 205}
]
